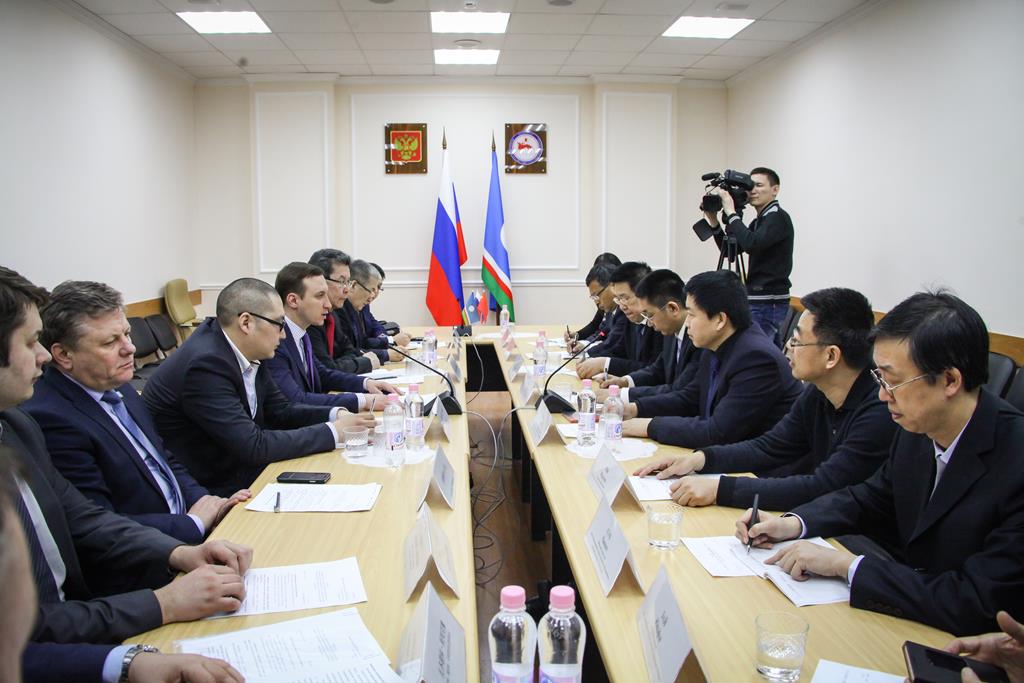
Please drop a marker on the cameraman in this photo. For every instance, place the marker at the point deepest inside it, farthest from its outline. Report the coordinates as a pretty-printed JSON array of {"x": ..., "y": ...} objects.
[{"x": 769, "y": 241}]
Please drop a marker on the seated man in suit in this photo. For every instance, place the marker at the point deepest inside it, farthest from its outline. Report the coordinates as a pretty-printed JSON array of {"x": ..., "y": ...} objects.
[
  {"x": 374, "y": 328},
  {"x": 332, "y": 344},
  {"x": 611, "y": 262},
  {"x": 70, "y": 538},
  {"x": 637, "y": 346},
  {"x": 948, "y": 503},
  {"x": 294, "y": 367},
  {"x": 365, "y": 281},
  {"x": 218, "y": 409},
  {"x": 98, "y": 431},
  {"x": 660, "y": 299},
  {"x": 836, "y": 434},
  {"x": 743, "y": 385}
]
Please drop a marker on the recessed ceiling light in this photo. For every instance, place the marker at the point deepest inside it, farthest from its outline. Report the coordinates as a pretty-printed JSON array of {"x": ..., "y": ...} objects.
[
  {"x": 468, "y": 22},
  {"x": 706, "y": 27},
  {"x": 466, "y": 56},
  {"x": 467, "y": 42},
  {"x": 224, "y": 22}
]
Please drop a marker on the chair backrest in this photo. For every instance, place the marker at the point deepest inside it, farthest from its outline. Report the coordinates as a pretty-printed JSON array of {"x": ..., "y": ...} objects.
[
  {"x": 179, "y": 306},
  {"x": 162, "y": 331},
  {"x": 1000, "y": 370},
  {"x": 1015, "y": 394},
  {"x": 143, "y": 339}
]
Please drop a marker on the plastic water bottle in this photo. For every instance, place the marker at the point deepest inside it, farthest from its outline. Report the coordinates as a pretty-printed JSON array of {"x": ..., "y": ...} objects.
[
  {"x": 542, "y": 336},
  {"x": 513, "y": 639},
  {"x": 562, "y": 636},
  {"x": 503, "y": 318},
  {"x": 394, "y": 432},
  {"x": 540, "y": 361},
  {"x": 586, "y": 423},
  {"x": 414, "y": 419},
  {"x": 430, "y": 348},
  {"x": 611, "y": 419}
]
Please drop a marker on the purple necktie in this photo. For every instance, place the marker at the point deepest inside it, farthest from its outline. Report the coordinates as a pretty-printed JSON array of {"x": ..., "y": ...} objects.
[{"x": 307, "y": 348}]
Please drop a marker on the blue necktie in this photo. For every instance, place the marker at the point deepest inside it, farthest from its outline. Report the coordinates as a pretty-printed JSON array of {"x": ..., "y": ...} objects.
[
  {"x": 712, "y": 385},
  {"x": 41, "y": 573},
  {"x": 113, "y": 398}
]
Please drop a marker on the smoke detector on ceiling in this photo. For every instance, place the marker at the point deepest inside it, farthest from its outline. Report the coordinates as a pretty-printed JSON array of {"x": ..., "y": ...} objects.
[{"x": 561, "y": 3}]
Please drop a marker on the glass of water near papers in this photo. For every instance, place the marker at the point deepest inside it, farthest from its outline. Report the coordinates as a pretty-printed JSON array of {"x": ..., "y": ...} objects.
[
  {"x": 781, "y": 644},
  {"x": 357, "y": 441},
  {"x": 664, "y": 526}
]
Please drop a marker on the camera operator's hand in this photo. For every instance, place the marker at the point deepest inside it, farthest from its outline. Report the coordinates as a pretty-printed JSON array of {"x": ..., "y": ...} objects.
[{"x": 728, "y": 205}]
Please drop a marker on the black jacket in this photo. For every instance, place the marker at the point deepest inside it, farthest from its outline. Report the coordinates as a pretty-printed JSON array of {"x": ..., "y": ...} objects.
[
  {"x": 346, "y": 356},
  {"x": 666, "y": 373},
  {"x": 642, "y": 346},
  {"x": 769, "y": 241}
]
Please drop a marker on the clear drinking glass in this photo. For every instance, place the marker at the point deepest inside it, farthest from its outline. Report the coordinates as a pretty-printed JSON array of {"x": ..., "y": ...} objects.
[
  {"x": 781, "y": 644},
  {"x": 356, "y": 441},
  {"x": 664, "y": 526}
]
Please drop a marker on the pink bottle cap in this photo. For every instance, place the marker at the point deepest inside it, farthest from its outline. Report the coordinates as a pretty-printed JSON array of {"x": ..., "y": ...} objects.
[
  {"x": 513, "y": 597},
  {"x": 392, "y": 398},
  {"x": 414, "y": 389},
  {"x": 613, "y": 390},
  {"x": 562, "y": 597},
  {"x": 586, "y": 383}
]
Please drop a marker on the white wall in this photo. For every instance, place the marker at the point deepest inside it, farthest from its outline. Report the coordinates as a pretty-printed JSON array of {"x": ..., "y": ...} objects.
[
  {"x": 898, "y": 140},
  {"x": 96, "y": 162}
]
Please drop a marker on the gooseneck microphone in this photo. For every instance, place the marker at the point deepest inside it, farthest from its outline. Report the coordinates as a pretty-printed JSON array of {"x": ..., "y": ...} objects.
[
  {"x": 447, "y": 398},
  {"x": 553, "y": 401}
]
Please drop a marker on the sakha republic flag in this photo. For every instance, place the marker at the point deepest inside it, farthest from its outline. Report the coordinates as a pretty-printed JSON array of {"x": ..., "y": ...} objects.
[
  {"x": 448, "y": 253},
  {"x": 496, "y": 272}
]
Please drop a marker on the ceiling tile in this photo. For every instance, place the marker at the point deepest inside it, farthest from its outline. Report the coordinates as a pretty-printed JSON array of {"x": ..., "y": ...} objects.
[
  {"x": 260, "y": 41},
  {"x": 394, "y": 6},
  {"x": 777, "y": 30},
  {"x": 210, "y": 58},
  {"x": 340, "y": 69},
  {"x": 613, "y": 43},
  {"x": 399, "y": 56},
  {"x": 629, "y": 25},
  {"x": 306, "y": 22},
  {"x": 617, "y": 59},
  {"x": 276, "y": 69},
  {"x": 548, "y": 23},
  {"x": 710, "y": 74},
  {"x": 812, "y": 10},
  {"x": 726, "y": 62},
  {"x": 527, "y": 70},
  {"x": 319, "y": 41},
  {"x": 653, "y": 70},
  {"x": 709, "y": 8},
  {"x": 330, "y": 56},
  {"x": 459, "y": 5},
  {"x": 587, "y": 70},
  {"x": 214, "y": 71},
  {"x": 685, "y": 46},
  {"x": 465, "y": 70},
  {"x": 148, "y": 24},
  {"x": 222, "y": 6},
  {"x": 121, "y": 6},
  {"x": 295, "y": 5},
  {"x": 578, "y": 7},
  {"x": 395, "y": 41},
  {"x": 181, "y": 42},
  {"x": 402, "y": 69},
  {"x": 488, "y": 41},
  {"x": 663, "y": 7},
  {"x": 534, "y": 57},
  {"x": 265, "y": 57},
  {"x": 540, "y": 42},
  {"x": 389, "y": 22},
  {"x": 751, "y": 48},
  {"x": 665, "y": 60}
]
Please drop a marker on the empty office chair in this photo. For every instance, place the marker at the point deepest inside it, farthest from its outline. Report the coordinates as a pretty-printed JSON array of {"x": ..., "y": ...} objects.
[
  {"x": 179, "y": 306},
  {"x": 147, "y": 352},
  {"x": 1015, "y": 394},
  {"x": 163, "y": 332},
  {"x": 1000, "y": 370}
]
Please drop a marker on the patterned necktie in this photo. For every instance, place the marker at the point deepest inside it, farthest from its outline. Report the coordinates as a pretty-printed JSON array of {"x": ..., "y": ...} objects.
[{"x": 45, "y": 583}]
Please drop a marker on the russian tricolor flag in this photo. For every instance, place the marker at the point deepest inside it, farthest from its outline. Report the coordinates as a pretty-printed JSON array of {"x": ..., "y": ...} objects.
[{"x": 444, "y": 284}]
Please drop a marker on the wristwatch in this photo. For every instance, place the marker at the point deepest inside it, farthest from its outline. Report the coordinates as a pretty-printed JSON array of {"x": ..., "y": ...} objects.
[{"x": 130, "y": 656}]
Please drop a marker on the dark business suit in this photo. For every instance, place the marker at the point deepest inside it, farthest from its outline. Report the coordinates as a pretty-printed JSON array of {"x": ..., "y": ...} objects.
[
  {"x": 960, "y": 552},
  {"x": 673, "y": 370},
  {"x": 376, "y": 335},
  {"x": 754, "y": 390},
  {"x": 344, "y": 356},
  {"x": 642, "y": 345},
  {"x": 92, "y": 452},
  {"x": 198, "y": 402},
  {"x": 92, "y": 542},
  {"x": 289, "y": 373},
  {"x": 61, "y": 663},
  {"x": 614, "y": 342},
  {"x": 354, "y": 325}
]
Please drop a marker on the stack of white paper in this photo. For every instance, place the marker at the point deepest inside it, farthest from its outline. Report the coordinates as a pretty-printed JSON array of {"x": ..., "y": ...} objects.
[
  {"x": 834, "y": 672},
  {"x": 651, "y": 488},
  {"x": 316, "y": 497}
]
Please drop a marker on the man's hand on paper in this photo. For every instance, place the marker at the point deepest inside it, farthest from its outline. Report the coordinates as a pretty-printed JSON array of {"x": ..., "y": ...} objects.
[
  {"x": 377, "y": 386},
  {"x": 695, "y": 491},
  {"x": 155, "y": 667},
  {"x": 802, "y": 559},
  {"x": 673, "y": 467},
  {"x": 347, "y": 419},
  {"x": 769, "y": 530},
  {"x": 204, "y": 591},
  {"x": 586, "y": 369}
]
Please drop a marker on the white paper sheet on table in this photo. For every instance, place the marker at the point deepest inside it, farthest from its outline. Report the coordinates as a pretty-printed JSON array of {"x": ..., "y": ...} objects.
[
  {"x": 726, "y": 556},
  {"x": 316, "y": 497},
  {"x": 652, "y": 488},
  {"x": 629, "y": 449},
  {"x": 497, "y": 335},
  {"x": 412, "y": 457},
  {"x": 834, "y": 672},
  {"x": 335, "y": 647},
  {"x": 384, "y": 373},
  {"x": 300, "y": 586},
  {"x": 547, "y": 371}
]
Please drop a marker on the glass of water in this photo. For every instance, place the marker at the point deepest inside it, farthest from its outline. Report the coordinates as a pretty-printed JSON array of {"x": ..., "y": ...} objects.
[
  {"x": 781, "y": 644},
  {"x": 411, "y": 366},
  {"x": 664, "y": 526},
  {"x": 356, "y": 441}
]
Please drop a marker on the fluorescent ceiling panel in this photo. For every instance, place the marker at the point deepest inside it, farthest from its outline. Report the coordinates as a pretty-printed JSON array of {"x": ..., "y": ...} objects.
[
  {"x": 469, "y": 22},
  {"x": 466, "y": 56},
  {"x": 224, "y": 22},
  {"x": 706, "y": 27}
]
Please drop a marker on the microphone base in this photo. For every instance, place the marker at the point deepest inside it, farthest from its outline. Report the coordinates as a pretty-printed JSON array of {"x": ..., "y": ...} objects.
[
  {"x": 450, "y": 403},
  {"x": 555, "y": 403}
]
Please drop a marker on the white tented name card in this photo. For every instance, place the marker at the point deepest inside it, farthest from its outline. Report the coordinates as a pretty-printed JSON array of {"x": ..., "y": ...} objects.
[
  {"x": 456, "y": 371},
  {"x": 517, "y": 362},
  {"x": 663, "y": 634},
  {"x": 506, "y": 334},
  {"x": 609, "y": 548},
  {"x": 527, "y": 387},
  {"x": 442, "y": 478},
  {"x": 606, "y": 475},
  {"x": 441, "y": 413},
  {"x": 426, "y": 541},
  {"x": 541, "y": 423},
  {"x": 433, "y": 646}
]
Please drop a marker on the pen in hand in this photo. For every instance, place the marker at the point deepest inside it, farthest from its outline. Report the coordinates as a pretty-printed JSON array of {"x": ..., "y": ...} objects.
[
  {"x": 753, "y": 520},
  {"x": 277, "y": 502}
]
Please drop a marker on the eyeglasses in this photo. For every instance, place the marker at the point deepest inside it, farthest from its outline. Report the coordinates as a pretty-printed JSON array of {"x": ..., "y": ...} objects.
[
  {"x": 279, "y": 323},
  {"x": 793, "y": 343},
  {"x": 343, "y": 283},
  {"x": 597, "y": 296},
  {"x": 624, "y": 299},
  {"x": 365, "y": 288},
  {"x": 890, "y": 389},
  {"x": 647, "y": 318}
]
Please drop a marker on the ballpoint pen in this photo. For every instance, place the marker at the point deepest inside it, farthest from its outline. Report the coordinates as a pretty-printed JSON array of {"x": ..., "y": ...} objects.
[
  {"x": 277, "y": 502},
  {"x": 753, "y": 520}
]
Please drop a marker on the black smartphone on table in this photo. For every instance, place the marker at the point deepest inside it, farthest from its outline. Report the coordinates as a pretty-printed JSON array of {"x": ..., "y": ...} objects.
[
  {"x": 303, "y": 477},
  {"x": 928, "y": 665}
]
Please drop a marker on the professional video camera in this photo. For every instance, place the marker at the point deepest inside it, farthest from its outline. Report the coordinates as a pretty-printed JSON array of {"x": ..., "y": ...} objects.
[{"x": 737, "y": 184}]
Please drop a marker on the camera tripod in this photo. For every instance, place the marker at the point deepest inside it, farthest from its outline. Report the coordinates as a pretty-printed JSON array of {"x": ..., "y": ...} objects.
[{"x": 729, "y": 251}]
